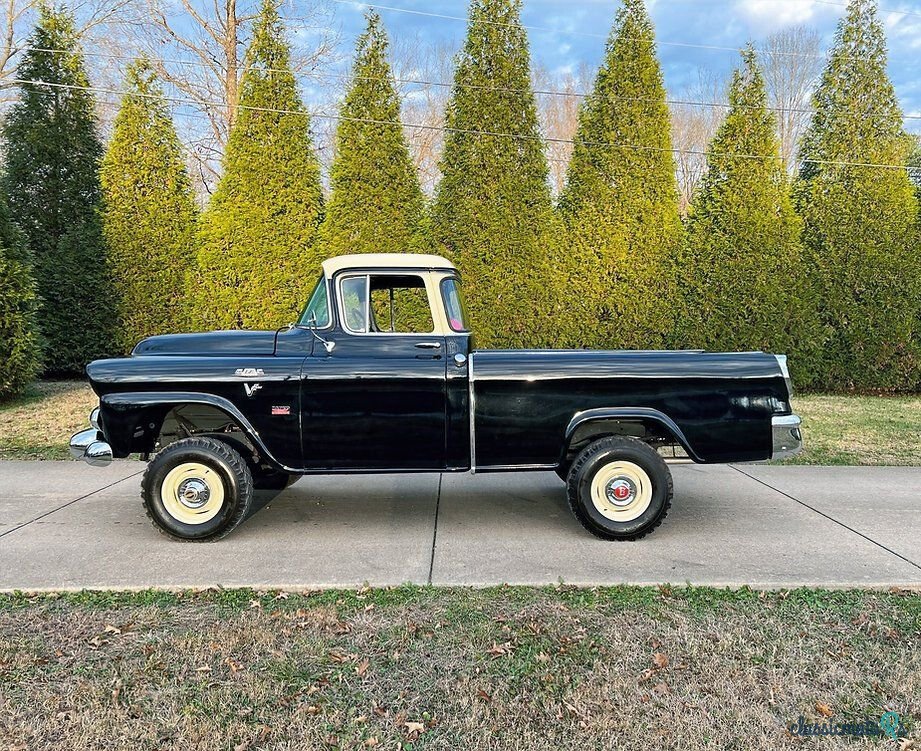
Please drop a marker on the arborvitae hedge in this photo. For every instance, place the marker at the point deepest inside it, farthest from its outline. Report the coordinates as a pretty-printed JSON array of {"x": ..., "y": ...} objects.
[
  {"x": 860, "y": 231},
  {"x": 620, "y": 203},
  {"x": 20, "y": 350},
  {"x": 52, "y": 185},
  {"x": 376, "y": 204},
  {"x": 258, "y": 259},
  {"x": 149, "y": 213},
  {"x": 742, "y": 273},
  {"x": 492, "y": 212}
]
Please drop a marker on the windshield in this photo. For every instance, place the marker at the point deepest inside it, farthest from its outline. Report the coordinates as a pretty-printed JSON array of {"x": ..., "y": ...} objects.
[
  {"x": 316, "y": 314},
  {"x": 450, "y": 291}
]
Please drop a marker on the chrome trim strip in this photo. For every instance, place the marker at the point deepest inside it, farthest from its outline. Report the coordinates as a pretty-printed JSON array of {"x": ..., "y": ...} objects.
[
  {"x": 472, "y": 408},
  {"x": 605, "y": 376},
  {"x": 512, "y": 467},
  {"x": 786, "y": 436}
]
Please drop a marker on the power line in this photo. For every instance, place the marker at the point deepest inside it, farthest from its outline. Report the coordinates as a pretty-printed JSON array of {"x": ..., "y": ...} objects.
[
  {"x": 449, "y": 129},
  {"x": 574, "y": 32},
  {"x": 443, "y": 84}
]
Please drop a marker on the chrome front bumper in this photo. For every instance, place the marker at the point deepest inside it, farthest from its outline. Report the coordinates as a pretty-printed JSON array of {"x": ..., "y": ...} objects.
[
  {"x": 90, "y": 445},
  {"x": 788, "y": 437}
]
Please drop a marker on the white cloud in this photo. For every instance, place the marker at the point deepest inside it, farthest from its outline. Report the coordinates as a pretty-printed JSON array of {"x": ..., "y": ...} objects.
[{"x": 766, "y": 16}]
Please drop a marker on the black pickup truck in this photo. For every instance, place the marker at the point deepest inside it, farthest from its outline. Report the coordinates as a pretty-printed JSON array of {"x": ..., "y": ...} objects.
[{"x": 379, "y": 375}]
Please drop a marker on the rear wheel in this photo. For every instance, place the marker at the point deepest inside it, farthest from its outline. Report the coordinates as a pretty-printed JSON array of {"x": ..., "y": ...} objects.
[
  {"x": 197, "y": 489},
  {"x": 619, "y": 488}
]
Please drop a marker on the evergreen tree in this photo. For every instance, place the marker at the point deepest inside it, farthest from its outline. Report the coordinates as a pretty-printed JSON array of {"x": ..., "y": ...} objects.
[
  {"x": 741, "y": 275},
  {"x": 860, "y": 231},
  {"x": 376, "y": 204},
  {"x": 620, "y": 202},
  {"x": 492, "y": 211},
  {"x": 258, "y": 258},
  {"x": 52, "y": 184},
  {"x": 20, "y": 352},
  {"x": 149, "y": 212}
]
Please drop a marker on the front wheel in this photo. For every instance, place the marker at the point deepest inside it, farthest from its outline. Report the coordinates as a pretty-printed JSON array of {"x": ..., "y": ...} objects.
[
  {"x": 619, "y": 488},
  {"x": 197, "y": 489}
]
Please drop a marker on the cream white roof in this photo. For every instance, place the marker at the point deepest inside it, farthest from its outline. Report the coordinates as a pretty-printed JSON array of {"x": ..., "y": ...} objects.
[{"x": 385, "y": 261}]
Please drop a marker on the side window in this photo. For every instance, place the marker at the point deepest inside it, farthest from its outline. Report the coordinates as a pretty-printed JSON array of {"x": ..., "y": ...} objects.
[
  {"x": 450, "y": 291},
  {"x": 386, "y": 304},
  {"x": 400, "y": 305}
]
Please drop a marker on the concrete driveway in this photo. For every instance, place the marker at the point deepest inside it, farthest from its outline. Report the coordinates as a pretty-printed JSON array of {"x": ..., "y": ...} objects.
[{"x": 64, "y": 525}]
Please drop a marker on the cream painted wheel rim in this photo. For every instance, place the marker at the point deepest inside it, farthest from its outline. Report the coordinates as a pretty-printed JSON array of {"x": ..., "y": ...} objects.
[
  {"x": 192, "y": 493},
  {"x": 621, "y": 491}
]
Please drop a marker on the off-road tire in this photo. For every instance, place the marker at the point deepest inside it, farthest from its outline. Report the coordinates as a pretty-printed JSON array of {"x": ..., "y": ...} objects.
[
  {"x": 602, "y": 454},
  {"x": 230, "y": 468}
]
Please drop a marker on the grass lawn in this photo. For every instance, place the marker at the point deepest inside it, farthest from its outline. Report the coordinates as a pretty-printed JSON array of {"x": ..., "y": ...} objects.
[
  {"x": 873, "y": 430},
  {"x": 424, "y": 668},
  {"x": 39, "y": 423}
]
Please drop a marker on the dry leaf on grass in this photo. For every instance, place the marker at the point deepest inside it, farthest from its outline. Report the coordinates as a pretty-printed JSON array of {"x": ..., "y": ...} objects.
[
  {"x": 660, "y": 660},
  {"x": 497, "y": 650},
  {"x": 362, "y": 667},
  {"x": 483, "y": 695},
  {"x": 823, "y": 709},
  {"x": 414, "y": 728}
]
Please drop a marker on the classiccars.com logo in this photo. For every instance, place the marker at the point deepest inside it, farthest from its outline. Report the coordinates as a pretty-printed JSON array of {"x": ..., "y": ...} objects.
[{"x": 889, "y": 724}]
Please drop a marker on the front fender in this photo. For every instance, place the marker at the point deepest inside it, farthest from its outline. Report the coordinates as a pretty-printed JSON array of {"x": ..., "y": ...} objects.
[
  {"x": 131, "y": 421},
  {"x": 632, "y": 414}
]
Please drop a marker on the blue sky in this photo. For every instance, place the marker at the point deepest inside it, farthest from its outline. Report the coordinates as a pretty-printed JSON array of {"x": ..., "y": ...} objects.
[{"x": 576, "y": 31}]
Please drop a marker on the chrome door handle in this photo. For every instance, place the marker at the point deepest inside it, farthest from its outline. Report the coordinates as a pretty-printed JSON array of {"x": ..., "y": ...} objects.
[{"x": 428, "y": 345}]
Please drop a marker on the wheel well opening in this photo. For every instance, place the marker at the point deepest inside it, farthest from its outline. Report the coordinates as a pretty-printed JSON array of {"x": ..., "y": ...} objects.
[
  {"x": 188, "y": 420},
  {"x": 651, "y": 432}
]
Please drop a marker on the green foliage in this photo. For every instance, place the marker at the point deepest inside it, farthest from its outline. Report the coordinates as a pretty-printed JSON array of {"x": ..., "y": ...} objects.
[
  {"x": 492, "y": 212},
  {"x": 914, "y": 163},
  {"x": 20, "y": 350},
  {"x": 52, "y": 185},
  {"x": 149, "y": 212},
  {"x": 861, "y": 221},
  {"x": 258, "y": 258},
  {"x": 742, "y": 270},
  {"x": 376, "y": 204},
  {"x": 620, "y": 203}
]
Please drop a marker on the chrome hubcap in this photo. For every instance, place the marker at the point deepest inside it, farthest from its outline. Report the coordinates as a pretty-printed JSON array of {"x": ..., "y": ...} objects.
[
  {"x": 620, "y": 491},
  {"x": 193, "y": 493}
]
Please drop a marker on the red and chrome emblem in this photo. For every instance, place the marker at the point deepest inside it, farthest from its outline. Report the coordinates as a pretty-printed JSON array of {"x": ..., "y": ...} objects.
[{"x": 621, "y": 491}]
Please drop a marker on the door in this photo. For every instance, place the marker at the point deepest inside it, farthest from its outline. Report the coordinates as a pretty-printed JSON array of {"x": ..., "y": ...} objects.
[{"x": 377, "y": 400}]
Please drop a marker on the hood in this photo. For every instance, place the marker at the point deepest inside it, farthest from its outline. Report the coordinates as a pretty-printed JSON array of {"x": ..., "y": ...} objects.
[{"x": 214, "y": 343}]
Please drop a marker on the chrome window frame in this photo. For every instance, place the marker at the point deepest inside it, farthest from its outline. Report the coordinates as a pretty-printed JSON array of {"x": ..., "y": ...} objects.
[{"x": 351, "y": 273}]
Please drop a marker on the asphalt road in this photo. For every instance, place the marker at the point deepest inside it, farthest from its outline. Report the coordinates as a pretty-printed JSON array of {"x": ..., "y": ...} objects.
[{"x": 64, "y": 525}]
